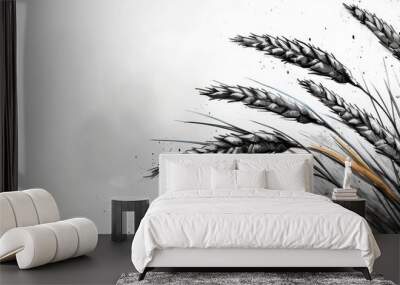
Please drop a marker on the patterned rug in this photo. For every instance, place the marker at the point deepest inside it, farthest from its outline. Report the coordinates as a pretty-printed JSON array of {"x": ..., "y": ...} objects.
[{"x": 243, "y": 278}]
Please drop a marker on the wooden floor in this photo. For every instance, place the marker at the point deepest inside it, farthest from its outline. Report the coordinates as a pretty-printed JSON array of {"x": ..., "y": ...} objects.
[
  {"x": 111, "y": 259},
  {"x": 103, "y": 266}
]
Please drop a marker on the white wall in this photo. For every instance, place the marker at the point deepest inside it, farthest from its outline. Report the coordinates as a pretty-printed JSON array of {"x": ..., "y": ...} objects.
[{"x": 99, "y": 79}]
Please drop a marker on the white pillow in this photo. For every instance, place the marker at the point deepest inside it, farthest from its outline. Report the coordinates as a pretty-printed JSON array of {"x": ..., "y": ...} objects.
[
  {"x": 187, "y": 177},
  {"x": 291, "y": 175},
  {"x": 251, "y": 178},
  {"x": 223, "y": 179},
  {"x": 185, "y": 174}
]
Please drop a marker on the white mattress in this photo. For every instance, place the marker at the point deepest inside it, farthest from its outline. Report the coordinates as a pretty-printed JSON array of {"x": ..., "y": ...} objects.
[{"x": 258, "y": 219}]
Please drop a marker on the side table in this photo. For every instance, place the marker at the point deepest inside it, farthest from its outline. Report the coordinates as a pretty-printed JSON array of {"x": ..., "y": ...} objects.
[
  {"x": 358, "y": 206},
  {"x": 122, "y": 204}
]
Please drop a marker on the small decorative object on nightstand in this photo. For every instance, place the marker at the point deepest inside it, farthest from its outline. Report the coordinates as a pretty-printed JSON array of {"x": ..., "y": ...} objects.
[
  {"x": 122, "y": 204},
  {"x": 357, "y": 205}
]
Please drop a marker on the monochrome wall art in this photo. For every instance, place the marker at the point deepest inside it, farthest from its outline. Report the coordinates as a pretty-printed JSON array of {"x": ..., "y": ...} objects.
[{"x": 339, "y": 110}]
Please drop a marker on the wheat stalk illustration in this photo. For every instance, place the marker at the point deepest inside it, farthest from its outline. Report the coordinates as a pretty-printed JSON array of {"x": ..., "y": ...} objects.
[
  {"x": 386, "y": 34},
  {"x": 256, "y": 142},
  {"x": 263, "y": 100},
  {"x": 359, "y": 120},
  {"x": 383, "y": 211},
  {"x": 300, "y": 54}
]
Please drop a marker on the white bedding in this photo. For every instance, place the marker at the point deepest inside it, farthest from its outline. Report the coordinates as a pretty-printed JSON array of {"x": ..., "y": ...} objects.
[{"x": 250, "y": 219}]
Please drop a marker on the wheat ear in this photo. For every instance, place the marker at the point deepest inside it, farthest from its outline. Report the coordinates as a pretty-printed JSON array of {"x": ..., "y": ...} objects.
[
  {"x": 386, "y": 34},
  {"x": 363, "y": 123},
  {"x": 263, "y": 100},
  {"x": 242, "y": 142},
  {"x": 299, "y": 53}
]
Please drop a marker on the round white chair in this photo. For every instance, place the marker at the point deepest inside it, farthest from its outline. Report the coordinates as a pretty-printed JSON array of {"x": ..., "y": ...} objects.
[{"x": 31, "y": 231}]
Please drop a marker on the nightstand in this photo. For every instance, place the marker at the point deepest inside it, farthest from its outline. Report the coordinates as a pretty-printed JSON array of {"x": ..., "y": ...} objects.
[
  {"x": 122, "y": 204},
  {"x": 357, "y": 206}
]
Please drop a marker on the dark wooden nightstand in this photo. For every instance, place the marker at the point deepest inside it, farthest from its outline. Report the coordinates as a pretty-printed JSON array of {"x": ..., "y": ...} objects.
[
  {"x": 122, "y": 204},
  {"x": 357, "y": 206}
]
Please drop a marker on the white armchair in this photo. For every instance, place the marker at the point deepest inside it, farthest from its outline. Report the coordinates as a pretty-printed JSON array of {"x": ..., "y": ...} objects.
[{"x": 32, "y": 233}]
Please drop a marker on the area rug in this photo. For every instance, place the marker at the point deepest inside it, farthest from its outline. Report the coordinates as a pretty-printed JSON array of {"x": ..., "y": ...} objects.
[{"x": 244, "y": 278}]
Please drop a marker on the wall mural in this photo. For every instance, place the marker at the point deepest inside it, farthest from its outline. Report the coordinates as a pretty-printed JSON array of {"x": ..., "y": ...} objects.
[{"x": 377, "y": 127}]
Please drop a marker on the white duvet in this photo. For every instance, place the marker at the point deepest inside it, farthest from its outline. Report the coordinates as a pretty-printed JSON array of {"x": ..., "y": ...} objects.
[{"x": 250, "y": 219}]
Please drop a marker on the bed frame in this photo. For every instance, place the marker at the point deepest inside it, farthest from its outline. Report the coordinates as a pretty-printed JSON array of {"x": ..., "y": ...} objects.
[{"x": 241, "y": 259}]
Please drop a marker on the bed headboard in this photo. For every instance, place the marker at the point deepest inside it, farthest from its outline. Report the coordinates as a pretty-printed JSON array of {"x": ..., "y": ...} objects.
[{"x": 211, "y": 158}]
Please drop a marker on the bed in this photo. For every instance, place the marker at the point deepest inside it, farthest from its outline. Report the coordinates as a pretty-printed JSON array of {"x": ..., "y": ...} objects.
[{"x": 259, "y": 210}]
